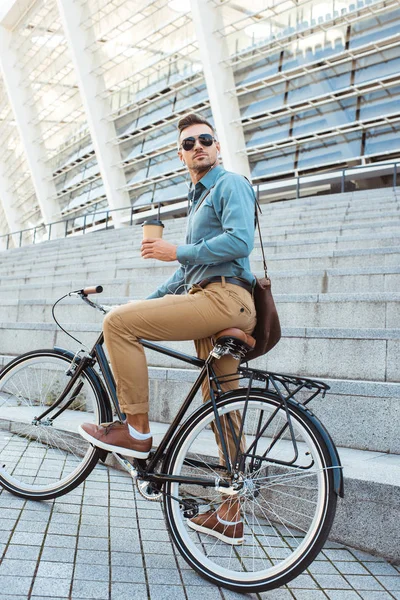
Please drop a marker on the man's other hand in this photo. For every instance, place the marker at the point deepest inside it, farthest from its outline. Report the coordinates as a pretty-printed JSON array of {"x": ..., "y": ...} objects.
[{"x": 159, "y": 249}]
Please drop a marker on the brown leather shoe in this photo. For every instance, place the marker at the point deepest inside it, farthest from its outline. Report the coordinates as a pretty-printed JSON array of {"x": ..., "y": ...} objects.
[
  {"x": 210, "y": 524},
  {"x": 115, "y": 437}
]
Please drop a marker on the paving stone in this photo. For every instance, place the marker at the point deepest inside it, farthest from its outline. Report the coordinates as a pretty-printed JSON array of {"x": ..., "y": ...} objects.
[
  {"x": 4, "y": 536},
  {"x": 127, "y": 504},
  {"x": 170, "y": 592},
  {"x": 351, "y": 568},
  {"x": 128, "y": 558},
  {"x": 338, "y": 554},
  {"x": 67, "y": 509},
  {"x": 230, "y": 595},
  {"x": 53, "y": 569},
  {"x": 23, "y": 552},
  {"x": 323, "y": 566},
  {"x": 51, "y": 588},
  {"x": 11, "y": 513},
  {"x": 16, "y": 567},
  {"x": 63, "y": 517},
  {"x": 389, "y": 582},
  {"x": 7, "y": 524},
  {"x": 96, "y": 557},
  {"x": 60, "y": 541},
  {"x": 157, "y": 548},
  {"x": 63, "y": 555},
  {"x": 98, "y": 531},
  {"x": 371, "y": 595},
  {"x": 123, "y": 591},
  {"x": 92, "y": 572},
  {"x": 88, "y": 519},
  {"x": 94, "y": 510},
  {"x": 155, "y": 576},
  {"x": 304, "y": 581},
  {"x": 15, "y": 585},
  {"x": 364, "y": 582},
  {"x": 381, "y": 568},
  {"x": 152, "y": 524},
  {"x": 342, "y": 595},
  {"x": 92, "y": 543},
  {"x": 97, "y": 590},
  {"x": 27, "y": 539},
  {"x": 332, "y": 582},
  {"x": 129, "y": 574},
  {"x": 279, "y": 594},
  {"x": 363, "y": 556},
  {"x": 31, "y": 526},
  {"x": 63, "y": 529},
  {"x": 309, "y": 595},
  {"x": 156, "y": 536}
]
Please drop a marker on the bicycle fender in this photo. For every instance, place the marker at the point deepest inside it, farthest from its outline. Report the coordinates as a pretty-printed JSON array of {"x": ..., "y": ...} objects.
[{"x": 337, "y": 468}]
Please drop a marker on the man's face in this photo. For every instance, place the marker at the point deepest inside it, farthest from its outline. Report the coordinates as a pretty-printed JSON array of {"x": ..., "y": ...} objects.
[{"x": 200, "y": 158}]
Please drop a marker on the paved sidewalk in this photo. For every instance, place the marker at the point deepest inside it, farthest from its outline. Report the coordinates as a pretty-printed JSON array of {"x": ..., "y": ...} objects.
[{"x": 104, "y": 542}]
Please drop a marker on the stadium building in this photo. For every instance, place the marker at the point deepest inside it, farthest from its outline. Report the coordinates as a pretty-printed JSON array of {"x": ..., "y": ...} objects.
[{"x": 304, "y": 97}]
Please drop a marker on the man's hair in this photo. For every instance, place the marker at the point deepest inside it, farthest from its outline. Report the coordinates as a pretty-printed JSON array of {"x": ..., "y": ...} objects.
[{"x": 192, "y": 119}]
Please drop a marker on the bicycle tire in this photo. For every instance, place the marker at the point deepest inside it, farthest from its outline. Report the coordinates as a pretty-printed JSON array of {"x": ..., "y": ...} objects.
[
  {"x": 49, "y": 459},
  {"x": 277, "y": 546}
]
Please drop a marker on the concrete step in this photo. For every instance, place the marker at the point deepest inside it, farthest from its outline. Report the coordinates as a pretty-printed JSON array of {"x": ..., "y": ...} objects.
[
  {"x": 290, "y": 244},
  {"x": 370, "y": 354},
  {"x": 295, "y": 310},
  {"x": 22, "y": 265},
  {"x": 362, "y": 279},
  {"x": 388, "y": 256},
  {"x": 178, "y": 225}
]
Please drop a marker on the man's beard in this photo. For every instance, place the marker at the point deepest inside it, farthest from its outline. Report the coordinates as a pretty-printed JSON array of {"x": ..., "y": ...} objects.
[{"x": 205, "y": 166}]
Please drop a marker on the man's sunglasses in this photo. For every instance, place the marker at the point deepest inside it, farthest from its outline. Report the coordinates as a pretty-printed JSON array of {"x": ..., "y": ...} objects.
[{"x": 205, "y": 139}]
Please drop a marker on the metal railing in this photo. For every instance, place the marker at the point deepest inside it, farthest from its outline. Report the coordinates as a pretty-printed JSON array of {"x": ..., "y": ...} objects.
[{"x": 102, "y": 219}]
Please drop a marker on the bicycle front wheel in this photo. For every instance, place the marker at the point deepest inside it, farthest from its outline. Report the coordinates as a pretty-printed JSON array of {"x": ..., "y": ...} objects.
[
  {"x": 284, "y": 488},
  {"x": 45, "y": 458}
]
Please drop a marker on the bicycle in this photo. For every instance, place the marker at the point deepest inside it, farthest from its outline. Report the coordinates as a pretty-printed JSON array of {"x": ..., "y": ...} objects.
[{"x": 285, "y": 470}]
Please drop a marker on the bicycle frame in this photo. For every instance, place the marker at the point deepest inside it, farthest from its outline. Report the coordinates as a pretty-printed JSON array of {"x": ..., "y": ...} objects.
[{"x": 97, "y": 353}]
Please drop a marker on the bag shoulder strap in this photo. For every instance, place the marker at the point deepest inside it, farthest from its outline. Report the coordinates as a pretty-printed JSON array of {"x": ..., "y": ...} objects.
[
  {"x": 257, "y": 209},
  {"x": 202, "y": 199}
]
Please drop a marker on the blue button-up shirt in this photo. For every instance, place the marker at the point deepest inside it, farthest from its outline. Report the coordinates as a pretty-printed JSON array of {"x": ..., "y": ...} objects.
[{"x": 219, "y": 235}]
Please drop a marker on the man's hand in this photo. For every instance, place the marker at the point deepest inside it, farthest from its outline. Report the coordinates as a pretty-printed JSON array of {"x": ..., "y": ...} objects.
[{"x": 159, "y": 249}]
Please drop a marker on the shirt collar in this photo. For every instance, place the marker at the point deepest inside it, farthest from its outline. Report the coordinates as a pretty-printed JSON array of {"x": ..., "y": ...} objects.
[{"x": 211, "y": 177}]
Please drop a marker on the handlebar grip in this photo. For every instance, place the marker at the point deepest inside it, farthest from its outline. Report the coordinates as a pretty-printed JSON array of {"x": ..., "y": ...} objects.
[{"x": 94, "y": 289}]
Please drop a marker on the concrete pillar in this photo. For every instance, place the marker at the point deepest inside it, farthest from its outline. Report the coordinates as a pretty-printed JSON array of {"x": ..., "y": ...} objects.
[
  {"x": 91, "y": 86},
  {"x": 207, "y": 19},
  {"x": 11, "y": 214},
  {"x": 18, "y": 94}
]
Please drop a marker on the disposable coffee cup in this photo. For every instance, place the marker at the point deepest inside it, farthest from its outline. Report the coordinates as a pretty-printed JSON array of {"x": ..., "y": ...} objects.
[{"x": 152, "y": 228}]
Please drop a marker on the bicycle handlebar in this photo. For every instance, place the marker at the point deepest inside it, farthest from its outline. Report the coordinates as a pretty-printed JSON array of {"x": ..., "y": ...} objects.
[{"x": 94, "y": 289}]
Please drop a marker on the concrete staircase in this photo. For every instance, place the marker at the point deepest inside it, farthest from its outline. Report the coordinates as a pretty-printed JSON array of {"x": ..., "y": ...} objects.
[{"x": 335, "y": 266}]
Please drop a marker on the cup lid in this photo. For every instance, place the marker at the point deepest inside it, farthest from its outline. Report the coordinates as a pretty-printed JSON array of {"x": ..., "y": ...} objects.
[{"x": 153, "y": 222}]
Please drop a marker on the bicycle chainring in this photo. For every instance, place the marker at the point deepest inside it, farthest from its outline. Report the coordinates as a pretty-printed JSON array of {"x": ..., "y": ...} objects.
[{"x": 148, "y": 490}]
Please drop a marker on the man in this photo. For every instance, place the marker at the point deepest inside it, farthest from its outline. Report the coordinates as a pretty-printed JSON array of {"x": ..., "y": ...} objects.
[{"x": 214, "y": 267}]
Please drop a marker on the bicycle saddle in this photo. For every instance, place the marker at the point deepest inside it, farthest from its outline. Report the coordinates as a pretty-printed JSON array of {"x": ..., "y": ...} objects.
[{"x": 237, "y": 335}]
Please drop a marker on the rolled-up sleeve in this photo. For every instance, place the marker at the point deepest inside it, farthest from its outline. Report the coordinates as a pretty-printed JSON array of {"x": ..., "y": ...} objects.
[{"x": 234, "y": 204}]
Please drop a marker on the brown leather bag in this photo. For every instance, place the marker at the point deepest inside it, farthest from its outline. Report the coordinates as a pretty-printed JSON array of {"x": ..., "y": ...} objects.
[{"x": 267, "y": 331}]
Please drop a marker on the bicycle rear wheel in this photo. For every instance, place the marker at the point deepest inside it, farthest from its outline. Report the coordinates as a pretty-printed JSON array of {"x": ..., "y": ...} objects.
[
  {"x": 287, "y": 501},
  {"x": 45, "y": 459}
]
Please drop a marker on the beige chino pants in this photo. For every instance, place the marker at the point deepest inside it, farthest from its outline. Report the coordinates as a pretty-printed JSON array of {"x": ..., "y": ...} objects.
[{"x": 194, "y": 316}]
